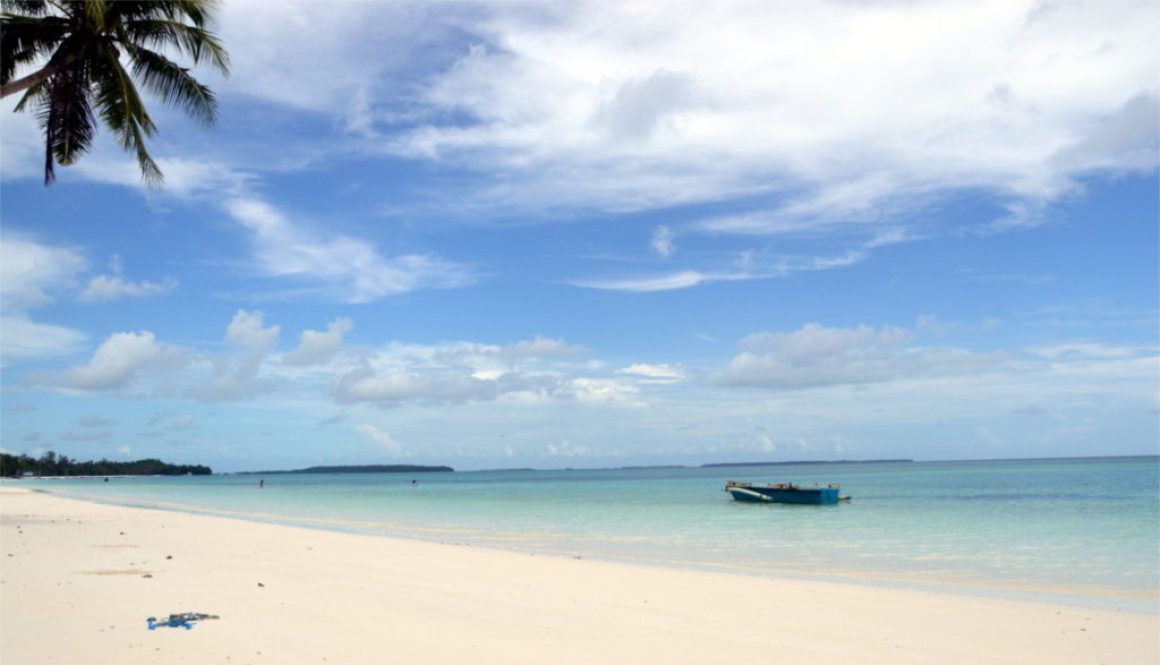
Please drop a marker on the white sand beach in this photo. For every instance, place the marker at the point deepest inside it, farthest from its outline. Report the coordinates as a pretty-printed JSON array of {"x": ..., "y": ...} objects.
[{"x": 79, "y": 580}]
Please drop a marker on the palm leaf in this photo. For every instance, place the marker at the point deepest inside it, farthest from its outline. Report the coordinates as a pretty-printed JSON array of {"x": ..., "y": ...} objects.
[
  {"x": 196, "y": 42},
  {"x": 123, "y": 111},
  {"x": 79, "y": 45},
  {"x": 174, "y": 85},
  {"x": 66, "y": 115},
  {"x": 24, "y": 40}
]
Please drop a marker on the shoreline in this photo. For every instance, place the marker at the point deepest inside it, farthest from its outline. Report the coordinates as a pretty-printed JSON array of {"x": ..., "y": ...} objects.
[
  {"x": 1106, "y": 598},
  {"x": 79, "y": 579},
  {"x": 1145, "y": 601}
]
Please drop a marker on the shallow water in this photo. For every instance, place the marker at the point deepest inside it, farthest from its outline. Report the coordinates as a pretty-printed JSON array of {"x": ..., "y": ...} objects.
[{"x": 1086, "y": 527}]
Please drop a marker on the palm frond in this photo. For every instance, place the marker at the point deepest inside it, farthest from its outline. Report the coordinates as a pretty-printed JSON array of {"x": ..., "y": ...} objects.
[
  {"x": 122, "y": 109},
  {"x": 196, "y": 42},
  {"x": 74, "y": 48},
  {"x": 26, "y": 40},
  {"x": 66, "y": 115},
  {"x": 25, "y": 7},
  {"x": 174, "y": 85}
]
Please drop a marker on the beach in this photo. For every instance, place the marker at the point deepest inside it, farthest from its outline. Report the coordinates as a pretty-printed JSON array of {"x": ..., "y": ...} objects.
[{"x": 79, "y": 580}]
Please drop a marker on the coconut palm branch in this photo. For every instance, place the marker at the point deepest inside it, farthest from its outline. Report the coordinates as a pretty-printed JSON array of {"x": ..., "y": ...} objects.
[{"x": 88, "y": 58}]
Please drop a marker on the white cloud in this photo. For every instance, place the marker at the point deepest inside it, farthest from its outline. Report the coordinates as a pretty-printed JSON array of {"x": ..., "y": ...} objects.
[
  {"x": 337, "y": 266},
  {"x": 239, "y": 375},
  {"x": 23, "y": 339},
  {"x": 529, "y": 372},
  {"x": 382, "y": 439},
  {"x": 679, "y": 280},
  {"x": 816, "y": 356},
  {"x": 559, "y": 91},
  {"x": 317, "y": 347},
  {"x": 245, "y": 330},
  {"x": 103, "y": 288},
  {"x": 119, "y": 360},
  {"x": 390, "y": 387},
  {"x": 662, "y": 241},
  {"x": 653, "y": 373},
  {"x": 30, "y": 271}
]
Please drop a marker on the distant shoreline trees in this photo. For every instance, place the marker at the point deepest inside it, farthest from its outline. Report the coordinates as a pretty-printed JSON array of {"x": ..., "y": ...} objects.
[{"x": 51, "y": 464}]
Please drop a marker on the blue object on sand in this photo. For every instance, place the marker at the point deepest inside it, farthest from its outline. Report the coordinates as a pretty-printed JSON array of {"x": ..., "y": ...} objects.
[{"x": 183, "y": 620}]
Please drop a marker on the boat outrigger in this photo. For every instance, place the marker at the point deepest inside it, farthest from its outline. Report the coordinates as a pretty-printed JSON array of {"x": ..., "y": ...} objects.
[{"x": 785, "y": 493}]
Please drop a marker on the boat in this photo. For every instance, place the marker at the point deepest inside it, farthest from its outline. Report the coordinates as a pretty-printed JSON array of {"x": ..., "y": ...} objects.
[{"x": 785, "y": 493}]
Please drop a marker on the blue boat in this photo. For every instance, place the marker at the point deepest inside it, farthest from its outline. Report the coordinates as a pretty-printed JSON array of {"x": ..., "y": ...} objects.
[{"x": 785, "y": 493}]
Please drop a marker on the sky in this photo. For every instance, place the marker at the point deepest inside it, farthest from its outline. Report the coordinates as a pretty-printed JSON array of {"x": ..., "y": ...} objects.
[{"x": 599, "y": 234}]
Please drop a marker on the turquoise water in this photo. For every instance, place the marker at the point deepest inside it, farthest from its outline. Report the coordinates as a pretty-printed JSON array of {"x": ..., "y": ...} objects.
[{"x": 1067, "y": 527}]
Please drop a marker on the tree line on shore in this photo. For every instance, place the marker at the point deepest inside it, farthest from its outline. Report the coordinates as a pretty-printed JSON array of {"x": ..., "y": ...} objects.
[{"x": 51, "y": 464}]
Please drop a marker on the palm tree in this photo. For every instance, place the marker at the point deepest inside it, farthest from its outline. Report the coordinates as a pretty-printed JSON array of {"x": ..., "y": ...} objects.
[{"x": 81, "y": 48}]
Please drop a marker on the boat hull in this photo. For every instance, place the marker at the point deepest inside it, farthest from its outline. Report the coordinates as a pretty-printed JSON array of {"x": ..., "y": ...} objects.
[{"x": 783, "y": 494}]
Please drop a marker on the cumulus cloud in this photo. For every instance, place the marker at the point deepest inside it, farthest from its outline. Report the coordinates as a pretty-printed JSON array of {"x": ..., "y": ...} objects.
[
  {"x": 337, "y": 266},
  {"x": 815, "y": 356},
  {"x": 317, "y": 347},
  {"x": 245, "y": 331},
  {"x": 119, "y": 360},
  {"x": 34, "y": 274},
  {"x": 239, "y": 375},
  {"x": 464, "y": 372},
  {"x": 114, "y": 286}
]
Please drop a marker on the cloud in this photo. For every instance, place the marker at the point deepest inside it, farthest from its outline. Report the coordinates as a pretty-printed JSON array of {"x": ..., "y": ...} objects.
[
  {"x": 104, "y": 288},
  {"x": 816, "y": 356},
  {"x": 30, "y": 271},
  {"x": 438, "y": 386},
  {"x": 119, "y": 360},
  {"x": 317, "y": 347},
  {"x": 559, "y": 90},
  {"x": 530, "y": 371},
  {"x": 238, "y": 375},
  {"x": 337, "y": 266},
  {"x": 678, "y": 280},
  {"x": 662, "y": 241},
  {"x": 22, "y": 338},
  {"x": 653, "y": 373},
  {"x": 382, "y": 439},
  {"x": 493, "y": 360},
  {"x": 245, "y": 330}
]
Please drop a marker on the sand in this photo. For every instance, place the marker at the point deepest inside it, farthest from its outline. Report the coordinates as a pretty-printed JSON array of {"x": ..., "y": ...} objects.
[{"x": 78, "y": 580}]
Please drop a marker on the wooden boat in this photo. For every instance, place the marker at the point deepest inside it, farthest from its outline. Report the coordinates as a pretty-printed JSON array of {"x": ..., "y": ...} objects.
[{"x": 785, "y": 493}]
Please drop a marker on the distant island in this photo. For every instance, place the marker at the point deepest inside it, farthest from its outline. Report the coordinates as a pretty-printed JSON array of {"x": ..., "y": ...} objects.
[
  {"x": 50, "y": 464},
  {"x": 800, "y": 462},
  {"x": 364, "y": 468}
]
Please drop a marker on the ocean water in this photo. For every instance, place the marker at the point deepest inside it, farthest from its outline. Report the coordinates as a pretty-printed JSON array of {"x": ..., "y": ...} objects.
[{"x": 1073, "y": 530}]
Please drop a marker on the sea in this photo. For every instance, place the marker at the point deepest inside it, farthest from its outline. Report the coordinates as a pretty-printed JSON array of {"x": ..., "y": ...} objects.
[{"x": 1074, "y": 531}]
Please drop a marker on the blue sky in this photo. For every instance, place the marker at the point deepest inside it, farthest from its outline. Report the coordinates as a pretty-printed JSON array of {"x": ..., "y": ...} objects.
[{"x": 600, "y": 234}]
